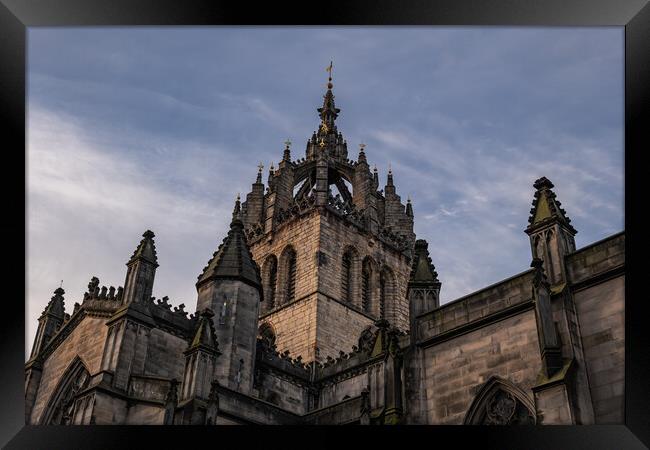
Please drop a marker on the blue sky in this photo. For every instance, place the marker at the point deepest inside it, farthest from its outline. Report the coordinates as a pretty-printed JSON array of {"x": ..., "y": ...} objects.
[{"x": 159, "y": 128}]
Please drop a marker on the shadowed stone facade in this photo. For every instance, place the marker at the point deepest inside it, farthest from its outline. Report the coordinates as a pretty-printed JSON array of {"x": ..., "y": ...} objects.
[{"x": 321, "y": 307}]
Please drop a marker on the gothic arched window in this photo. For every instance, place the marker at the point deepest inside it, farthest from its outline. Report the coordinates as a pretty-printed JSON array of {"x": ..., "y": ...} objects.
[
  {"x": 349, "y": 275},
  {"x": 269, "y": 281},
  {"x": 367, "y": 285},
  {"x": 346, "y": 275},
  {"x": 288, "y": 263},
  {"x": 386, "y": 293},
  {"x": 500, "y": 402},
  {"x": 267, "y": 334},
  {"x": 60, "y": 408}
]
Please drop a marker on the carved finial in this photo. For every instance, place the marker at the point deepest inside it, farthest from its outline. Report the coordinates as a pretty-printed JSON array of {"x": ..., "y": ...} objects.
[
  {"x": 329, "y": 80},
  {"x": 374, "y": 169},
  {"x": 287, "y": 151},
  {"x": 362, "y": 147},
  {"x": 260, "y": 166},
  {"x": 390, "y": 169}
]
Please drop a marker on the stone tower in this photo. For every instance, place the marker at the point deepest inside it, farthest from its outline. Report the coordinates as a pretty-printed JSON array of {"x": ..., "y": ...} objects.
[
  {"x": 334, "y": 251},
  {"x": 230, "y": 287}
]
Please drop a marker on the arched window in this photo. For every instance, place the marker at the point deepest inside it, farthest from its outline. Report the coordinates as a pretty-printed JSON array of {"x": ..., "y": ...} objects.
[
  {"x": 500, "y": 402},
  {"x": 60, "y": 408},
  {"x": 291, "y": 278},
  {"x": 366, "y": 285},
  {"x": 288, "y": 263},
  {"x": 382, "y": 295},
  {"x": 349, "y": 276},
  {"x": 386, "y": 294},
  {"x": 267, "y": 334},
  {"x": 269, "y": 281}
]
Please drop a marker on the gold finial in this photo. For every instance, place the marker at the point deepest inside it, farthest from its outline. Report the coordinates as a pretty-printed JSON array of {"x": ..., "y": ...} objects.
[
  {"x": 287, "y": 143},
  {"x": 260, "y": 166},
  {"x": 329, "y": 81},
  {"x": 321, "y": 143},
  {"x": 323, "y": 126}
]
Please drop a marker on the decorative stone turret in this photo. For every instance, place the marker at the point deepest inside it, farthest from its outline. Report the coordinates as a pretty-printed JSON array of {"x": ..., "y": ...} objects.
[
  {"x": 230, "y": 286},
  {"x": 141, "y": 271},
  {"x": 549, "y": 341},
  {"x": 550, "y": 231},
  {"x": 201, "y": 359},
  {"x": 49, "y": 322},
  {"x": 423, "y": 285}
]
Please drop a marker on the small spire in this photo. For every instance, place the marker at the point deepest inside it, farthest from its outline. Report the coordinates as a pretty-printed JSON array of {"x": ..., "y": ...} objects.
[
  {"x": 375, "y": 176},
  {"x": 546, "y": 207},
  {"x": 55, "y": 307},
  {"x": 287, "y": 151},
  {"x": 390, "y": 176},
  {"x": 329, "y": 80},
  {"x": 146, "y": 250},
  {"x": 272, "y": 168},
  {"x": 409, "y": 207},
  {"x": 236, "y": 213},
  {"x": 260, "y": 166},
  {"x": 205, "y": 335}
]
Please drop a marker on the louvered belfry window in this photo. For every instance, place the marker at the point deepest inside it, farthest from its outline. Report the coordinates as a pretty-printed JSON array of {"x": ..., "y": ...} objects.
[
  {"x": 382, "y": 294},
  {"x": 346, "y": 278},
  {"x": 273, "y": 277},
  {"x": 291, "y": 277},
  {"x": 365, "y": 287}
]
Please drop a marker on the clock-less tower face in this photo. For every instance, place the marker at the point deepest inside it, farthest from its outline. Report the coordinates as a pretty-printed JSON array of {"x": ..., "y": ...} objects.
[{"x": 334, "y": 252}]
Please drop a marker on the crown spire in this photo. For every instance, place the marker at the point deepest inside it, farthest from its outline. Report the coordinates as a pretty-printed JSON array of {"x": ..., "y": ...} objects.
[{"x": 329, "y": 112}]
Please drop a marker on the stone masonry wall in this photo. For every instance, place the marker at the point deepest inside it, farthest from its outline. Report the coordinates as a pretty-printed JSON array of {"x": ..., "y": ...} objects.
[
  {"x": 600, "y": 307},
  {"x": 601, "y": 312},
  {"x": 87, "y": 342},
  {"x": 456, "y": 369},
  {"x": 338, "y": 327},
  {"x": 336, "y": 237},
  {"x": 295, "y": 327},
  {"x": 165, "y": 355}
]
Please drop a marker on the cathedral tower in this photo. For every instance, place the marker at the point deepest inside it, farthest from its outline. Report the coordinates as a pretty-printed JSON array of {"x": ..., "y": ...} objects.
[{"x": 334, "y": 251}]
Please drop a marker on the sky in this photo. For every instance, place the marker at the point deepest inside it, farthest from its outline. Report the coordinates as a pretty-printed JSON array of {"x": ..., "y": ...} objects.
[{"x": 159, "y": 128}]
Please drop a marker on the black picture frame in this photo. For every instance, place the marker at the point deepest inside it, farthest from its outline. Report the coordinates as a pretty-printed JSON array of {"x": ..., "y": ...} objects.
[{"x": 16, "y": 15}]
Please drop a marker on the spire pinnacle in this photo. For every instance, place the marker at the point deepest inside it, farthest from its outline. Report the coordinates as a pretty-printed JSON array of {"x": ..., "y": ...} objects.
[
  {"x": 287, "y": 151},
  {"x": 55, "y": 307},
  {"x": 409, "y": 207},
  {"x": 146, "y": 249},
  {"x": 329, "y": 80},
  {"x": 260, "y": 166},
  {"x": 329, "y": 112},
  {"x": 236, "y": 213},
  {"x": 390, "y": 176},
  {"x": 546, "y": 207}
]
